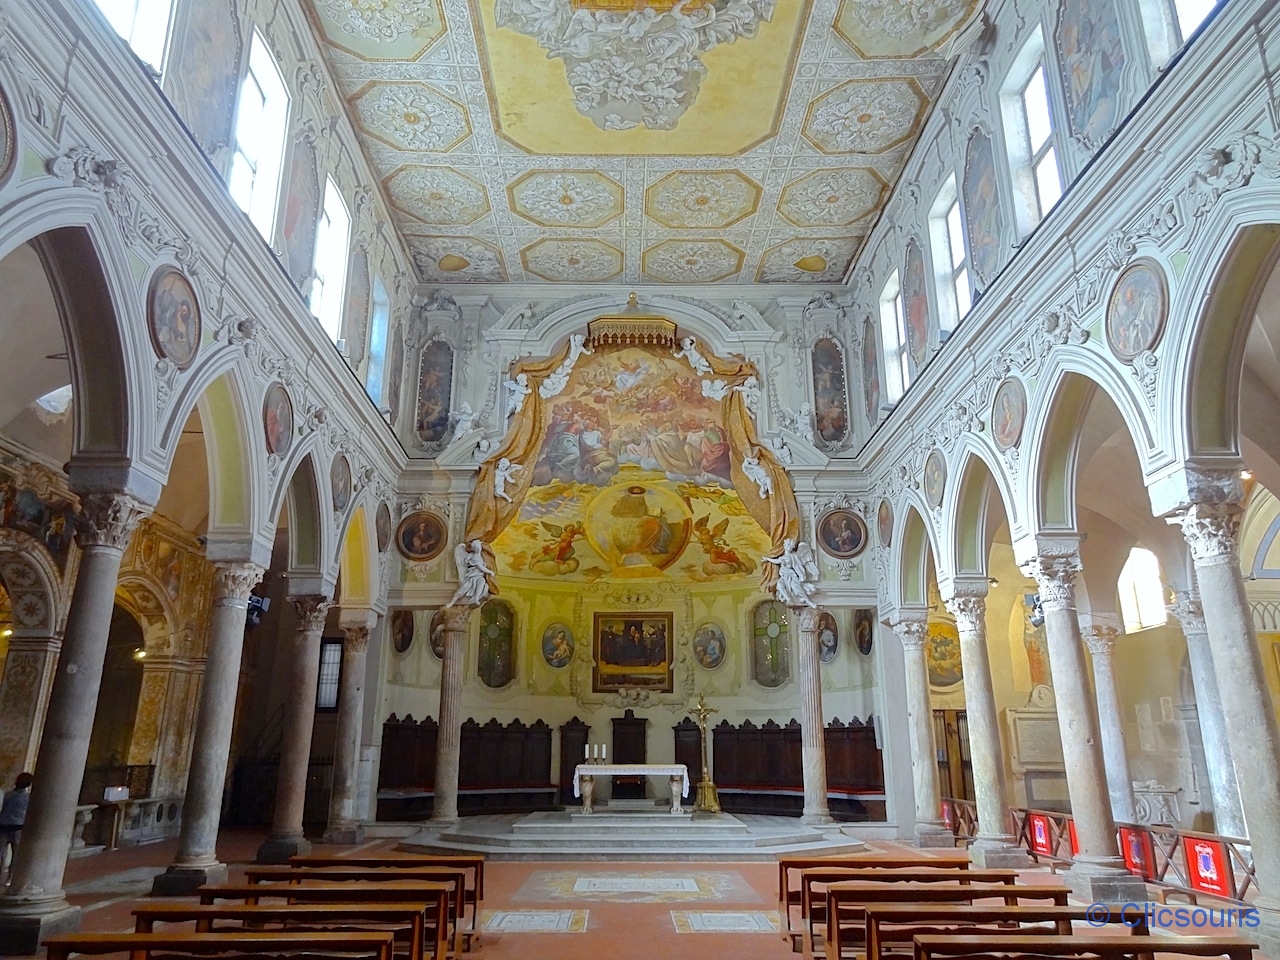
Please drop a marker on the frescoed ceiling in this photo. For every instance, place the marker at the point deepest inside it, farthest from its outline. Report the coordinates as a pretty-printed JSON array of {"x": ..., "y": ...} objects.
[{"x": 637, "y": 141}]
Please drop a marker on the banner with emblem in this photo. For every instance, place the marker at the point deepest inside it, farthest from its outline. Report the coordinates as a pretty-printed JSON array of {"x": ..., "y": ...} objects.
[{"x": 1208, "y": 866}]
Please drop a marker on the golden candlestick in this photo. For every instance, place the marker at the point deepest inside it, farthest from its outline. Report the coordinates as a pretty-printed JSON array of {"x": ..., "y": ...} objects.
[{"x": 708, "y": 801}]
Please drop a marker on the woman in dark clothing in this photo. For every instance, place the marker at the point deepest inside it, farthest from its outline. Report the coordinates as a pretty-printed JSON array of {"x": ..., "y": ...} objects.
[{"x": 13, "y": 813}]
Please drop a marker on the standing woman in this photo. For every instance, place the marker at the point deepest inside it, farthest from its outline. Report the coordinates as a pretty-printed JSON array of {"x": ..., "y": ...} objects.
[{"x": 13, "y": 813}]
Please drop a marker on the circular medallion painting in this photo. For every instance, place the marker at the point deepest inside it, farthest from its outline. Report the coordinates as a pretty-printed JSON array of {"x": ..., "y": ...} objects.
[
  {"x": 935, "y": 477},
  {"x": 557, "y": 645},
  {"x": 435, "y": 634},
  {"x": 828, "y": 637},
  {"x": 401, "y": 630},
  {"x": 8, "y": 139},
  {"x": 382, "y": 527},
  {"x": 884, "y": 523},
  {"x": 864, "y": 629},
  {"x": 277, "y": 419},
  {"x": 421, "y": 536},
  {"x": 709, "y": 645},
  {"x": 1008, "y": 411},
  {"x": 1137, "y": 310},
  {"x": 842, "y": 534},
  {"x": 340, "y": 483},
  {"x": 173, "y": 317}
]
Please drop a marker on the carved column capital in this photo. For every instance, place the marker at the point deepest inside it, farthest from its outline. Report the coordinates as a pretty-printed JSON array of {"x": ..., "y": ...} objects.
[
  {"x": 913, "y": 633},
  {"x": 1212, "y": 531},
  {"x": 1188, "y": 611},
  {"x": 1101, "y": 640},
  {"x": 806, "y": 618},
  {"x": 1055, "y": 575},
  {"x": 233, "y": 581},
  {"x": 970, "y": 613},
  {"x": 357, "y": 638},
  {"x": 108, "y": 520},
  {"x": 455, "y": 618},
  {"x": 312, "y": 611}
]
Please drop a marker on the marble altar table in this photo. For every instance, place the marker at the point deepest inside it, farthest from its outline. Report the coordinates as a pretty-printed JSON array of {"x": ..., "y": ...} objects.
[{"x": 585, "y": 773}]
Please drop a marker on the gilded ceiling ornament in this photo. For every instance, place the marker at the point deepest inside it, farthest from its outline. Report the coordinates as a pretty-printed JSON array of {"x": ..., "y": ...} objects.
[
  {"x": 583, "y": 261},
  {"x": 808, "y": 260},
  {"x": 692, "y": 261},
  {"x": 567, "y": 199},
  {"x": 437, "y": 195},
  {"x": 383, "y": 20},
  {"x": 456, "y": 258},
  {"x": 411, "y": 116},
  {"x": 832, "y": 198},
  {"x": 691, "y": 200},
  {"x": 865, "y": 116}
]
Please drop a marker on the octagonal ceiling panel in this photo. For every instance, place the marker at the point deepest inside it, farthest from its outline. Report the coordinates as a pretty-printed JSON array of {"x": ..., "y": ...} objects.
[
  {"x": 900, "y": 28},
  {"x": 437, "y": 195},
  {"x": 692, "y": 261},
  {"x": 689, "y": 200},
  {"x": 380, "y": 29},
  {"x": 808, "y": 260},
  {"x": 832, "y": 198},
  {"x": 865, "y": 116},
  {"x": 566, "y": 198},
  {"x": 572, "y": 261},
  {"x": 411, "y": 116},
  {"x": 453, "y": 259}
]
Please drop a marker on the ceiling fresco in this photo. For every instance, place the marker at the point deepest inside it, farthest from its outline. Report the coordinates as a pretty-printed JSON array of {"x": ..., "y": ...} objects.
[{"x": 659, "y": 141}]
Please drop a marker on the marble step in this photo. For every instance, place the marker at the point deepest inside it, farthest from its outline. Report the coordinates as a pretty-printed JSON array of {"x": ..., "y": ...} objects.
[
  {"x": 764, "y": 849},
  {"x": 631, "y": 824}
]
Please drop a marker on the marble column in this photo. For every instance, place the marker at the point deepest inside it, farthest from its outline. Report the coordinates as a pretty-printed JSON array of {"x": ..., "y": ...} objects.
[
  {"x": 344, "y": 820},
  {"x": 1212, "y": 532},
  {"x": 1228, "y": 815},
  {"x": 1100, "y": 637},
  {"x": 196, "y": 862},
  {"x": 994, "y": 847},
  {"x": 1098, "y": 873},
  {"x": 813, "y": 742},
  {"x": 34, "y": 905},
  {"x": 29, "y": 667},
  {"x": 286, "y": 839},
  {"x": 449, "y": 736},
  {"x": 930, "y": 831}
]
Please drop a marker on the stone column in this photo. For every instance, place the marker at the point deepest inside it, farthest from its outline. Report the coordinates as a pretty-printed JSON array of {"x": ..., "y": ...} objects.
[
  {"x": 196, "y": 862},
  {"x": 1100, "y": 637},
  {"x": 1212, "y": 531},
  {"x": 286, "y": 839},
  {"x": 994, "y": 847},
  {"x": 34, "y": 906},
  {"x": 813, "y": 749},
  {"x": 930, "y": 831},
  {"x": 1098, "y": 873},
  {"x": 449, "y": 735},
  {"x": 29, "y": 667},
  {"x": 1228, "y": 816},
  {"x": 344, "y": 819}
]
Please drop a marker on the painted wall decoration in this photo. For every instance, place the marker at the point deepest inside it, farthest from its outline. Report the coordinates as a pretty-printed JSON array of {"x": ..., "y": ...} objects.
[
  {"x": 435, "y": 393},
  {"x": 277, "y": 419},
  {"x": 864, "y": 629},
  {"x": 496, "y": 660},
  {"x": 915, "y": 299},
  {"x": 204, "y": 70},
  {"x": 8, "y": 139},
  {"x": 340, "y": 482},
  {"x": 1091, "y": 51},
  {"x": 884, "y": 523},
  {"x": 382, "y": 527},
  {"x": 356, "y": 315},
  {"x": 935, "y": 477},
  {"x": 401, "y": 630},
  {"x": 709, "y": 645},
  {"x": 301, "y": 212},
  {"x": 982, "y": 215},
  {"x": 770, "y": 644},
  {"x": 421, "y": 536},
  {"x": 1137, "y": 310},
  {"x": 632, "y": 650},
  {"x": 871, "y": 374},
  {"x": 1008, "y": 412},
  {"x": 1035, "y": 643},
  {"x": 52, "y": 522},
  {"x": 173, "y": 316},
  {"x": 435, "y": 635},
  {"x": 395, "y": 373},
  {"x": 842, "y": 534},
  {"x": 557, "y": 645},
  {"x": 943, "y": 654},
  {"x": 828, "y": 637},
  {"x": 830, "y": 399}
]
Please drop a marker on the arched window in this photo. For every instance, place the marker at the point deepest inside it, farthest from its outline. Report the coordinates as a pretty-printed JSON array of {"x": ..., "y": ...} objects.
[
  {"x": 496, "y": 663},
  {"x": 333, "y": 239},
  {"x": 771, "y": 644},
  {"x": 1141, "y": 592},
  {"x": 262, "y": 113}
]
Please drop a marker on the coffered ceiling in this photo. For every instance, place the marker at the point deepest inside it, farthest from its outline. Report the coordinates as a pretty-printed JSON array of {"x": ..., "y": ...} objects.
[{"x": 637, "y": 141}]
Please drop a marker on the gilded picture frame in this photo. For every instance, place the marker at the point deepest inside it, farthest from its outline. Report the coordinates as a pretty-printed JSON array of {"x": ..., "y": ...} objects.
[{"x": 632, "y": 650}]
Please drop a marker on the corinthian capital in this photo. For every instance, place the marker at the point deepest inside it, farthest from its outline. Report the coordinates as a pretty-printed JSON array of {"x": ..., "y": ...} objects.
[
  {"x": 108, "y": 520},
  {"x": 1212, "y": 531},
  {"x": 357, "y": 638},
  {"x": 808, "y": 618},
  {"x": 970, "y": 613},
  {"x": 1188, "y": 611},
  {"x": 1100, "y": 639},
  {"x": 312, "y": 611},
  {"x": 914, "y": 633},
  {"x": 1055, "y": 575},
  {"x": 233, "y": 581},
  {"x": 455, "y": 618}
]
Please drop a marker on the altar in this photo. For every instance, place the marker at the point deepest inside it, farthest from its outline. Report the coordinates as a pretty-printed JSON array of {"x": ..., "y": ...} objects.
[{"x": 585, "y": 773}]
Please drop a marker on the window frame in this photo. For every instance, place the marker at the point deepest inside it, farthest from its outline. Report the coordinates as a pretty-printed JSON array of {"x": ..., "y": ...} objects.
[
  {"x": 329, "y": 279},
  {"x": 327, "y": 644},
  {"x": 893, "y": 339},
  {"x": 947, "y": 271},
  {"x": 379, "y": 319},
  {"x": 267, "y": 168},
  {"x": 1130, "y": 592},
  {"x": 1024, "y": 157},
  {"x": 157, "y": 69}
]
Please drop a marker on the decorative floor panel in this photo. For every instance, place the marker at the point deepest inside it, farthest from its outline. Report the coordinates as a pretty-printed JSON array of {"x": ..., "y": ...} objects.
[
  {"x": 725, "y": 921},
  {"x": 535, "y": 921},
  {"x": 637, "y": 886}
]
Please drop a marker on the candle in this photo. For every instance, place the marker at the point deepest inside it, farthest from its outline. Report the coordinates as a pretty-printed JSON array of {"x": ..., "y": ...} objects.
[
  {"x": 586, "y": 751},
  {"x": 604, "y": 750}
]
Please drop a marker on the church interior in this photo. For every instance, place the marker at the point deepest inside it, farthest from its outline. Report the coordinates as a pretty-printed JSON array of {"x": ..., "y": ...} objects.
[{"x": 612, "y": 434}]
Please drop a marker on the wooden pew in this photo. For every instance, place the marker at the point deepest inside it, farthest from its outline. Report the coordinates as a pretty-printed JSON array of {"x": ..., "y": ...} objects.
[
  {"x": 789, "y": 896},
  {"x": 376, "y": 945},
  {"x": 408, "y": 919},
  {"x": 845, "y": 900},
  {"x": 900, "y": 923},
  {"x": 937, "y": 947}
]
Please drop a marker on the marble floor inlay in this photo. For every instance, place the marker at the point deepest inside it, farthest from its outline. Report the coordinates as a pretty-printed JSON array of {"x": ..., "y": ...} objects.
[
  {"x": 725, "y": 921},
  {"x": 637, "y": 886},
  {"x": 535, "y": 921}
]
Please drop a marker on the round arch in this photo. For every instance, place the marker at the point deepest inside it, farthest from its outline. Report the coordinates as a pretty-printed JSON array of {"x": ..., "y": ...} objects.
[
  {"x": 969, "y": 515},
  {"x": 357, "y": 580},
  {"x": 916, "y": 548}
]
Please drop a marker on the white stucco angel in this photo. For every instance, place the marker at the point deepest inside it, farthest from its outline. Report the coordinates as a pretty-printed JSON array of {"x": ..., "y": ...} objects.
[
  {"x": 554, "y": 385},
  {"x": 517, "y": 390},
  {"x": 797, "y": 574},
  {"x": 750, "y": 390},
  {"x": 473, "y": 574},
  {"x": 689, "y": 351},
  {"x": 464, "y": 419},
  {"x": 503, "y": 473},
  {"x": 715, "y": 389},
  {"x": 800, "y": 423},
  {"x": 756, "y": 472},
  {"x": 780, "y": 449}
]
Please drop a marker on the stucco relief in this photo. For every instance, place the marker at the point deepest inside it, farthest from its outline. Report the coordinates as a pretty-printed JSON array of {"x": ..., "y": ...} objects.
[
  {"x": 692, "y": 261},
  {"x": 586, "y": 261},
  {"x": 865, "y": 116},
  {"x": 899, "y": 28},
  {"x": 437, "y": 195},
  {"x": 832, "y": 198},
  {"x": 808, "y": 260},
  {"x": 688, "y": 200},
  {"x": 456, "y": 258},
  {"x": 566, "y": 198},
  {"x": 411, "y": 116},
  {"x": 381, "y": 29}
]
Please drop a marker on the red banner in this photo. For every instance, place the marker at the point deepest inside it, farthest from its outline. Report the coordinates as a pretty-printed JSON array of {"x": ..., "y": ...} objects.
[
  {"x": 948, "y": 815},
  {"x": 1139, "y": 856},
  {"x": 1208, "y": 866},
  {"x": 1071, "y": 833},
  {"x": 1040, "y": 833}
]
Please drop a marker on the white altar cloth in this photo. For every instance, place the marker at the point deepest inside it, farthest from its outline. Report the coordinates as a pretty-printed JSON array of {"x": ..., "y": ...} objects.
[{"x": 631, "y": 770}]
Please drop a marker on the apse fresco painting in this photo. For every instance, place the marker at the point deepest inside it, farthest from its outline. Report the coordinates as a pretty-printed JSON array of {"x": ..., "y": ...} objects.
[
  {"x": 830, "y": 401},
  {"x": 632, "y": 481},
  {"x": 435, "y": 387}
]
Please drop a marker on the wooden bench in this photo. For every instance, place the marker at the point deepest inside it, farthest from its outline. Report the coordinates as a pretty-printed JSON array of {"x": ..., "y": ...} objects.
[
  {"x": 936, "y": 947},
  {"x": 900, "y": 923},
  {"x": 376, "y": 945},
  {"x": 846, "y": 899},
  {"x": 409, "y": 920}
]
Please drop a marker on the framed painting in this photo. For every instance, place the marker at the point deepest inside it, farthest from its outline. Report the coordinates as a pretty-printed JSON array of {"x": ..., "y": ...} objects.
[
  {"x": 935, "y": 478},
  {"x": 830, "y": 402},
  {"x": 982, "y": 206},
  {"x": 864, "y": 629},
  {"x": 401, "y": 630},
  {"x": 395, "y": 374},
  {"x": 915, "y": 299},
  {"x": 173, "y": 317},
  {"x": 1137, "y": 310},
  {"x": 1008, "y": 411},
  {"x": 828, "y": 637},
  {"x": 557, "y": 645},
  {"x": 943, "y": 654},
  {"x": 1091, "y": 49},
  {"x": 340, "y": 482},
  {"x": 382, "y": 527},
  {"x": 709, "y": 645},
  {"x": 871, "y": 374},
  {"x": 435, "y": 634},
  {"x": 8, "y": 139},
  {"x": 884, "y": 523},
  {"x": 301, "y": 212},
  {"x": 842, "y": 534},
  {"x": 421, "y": 536},
  {"x": 277, "y": 419},
  {"x": 496, "y": 659},
  {"x": 435, "y": 389},
  {"x": 356, "y": 315},
  {"x": 632, "y": 650}
]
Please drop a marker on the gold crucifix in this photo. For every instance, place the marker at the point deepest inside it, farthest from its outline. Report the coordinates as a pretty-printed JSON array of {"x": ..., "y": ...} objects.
[{"x": 708, "y": 801}]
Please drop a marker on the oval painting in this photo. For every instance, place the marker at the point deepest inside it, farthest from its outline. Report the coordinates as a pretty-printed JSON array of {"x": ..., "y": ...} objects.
[
  {"x": 943, "y": 654},
  {"x": 830, "y": 402},
  {"x": 828, "y": 637},
  {"x": 884, "y": 523},
  {"x": 401, "y": 630},
  {"x": 1137, "y": 310},
  {"x": 842, "y": 534},
  {"x": 709, "y": 645},
  {"x": 1008, "y": 411},
  {"x": 864, "y": 629},
  {"x": 421, "y": 536},
  {"x": 935, "y": 477},
  {"x": 871, "y": 374},
  {"x": 277, "y": 419},
  {"x": 382, "y": 527},
  {"x": 495, "y": 660},
  {"x": 340, "y": 482},
  {"x": 557, "y": 645},
  {"x": 8, "y": 139},
  {"x": 173, "y": 317},
  {"x": 915, "y": 299},
  {"x": 435, "y": 634}
]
